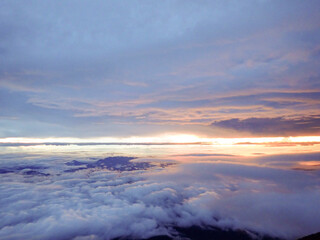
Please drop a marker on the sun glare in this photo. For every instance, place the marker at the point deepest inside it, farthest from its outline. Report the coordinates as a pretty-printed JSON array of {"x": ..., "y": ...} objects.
[{"x": 168, "y": 138}]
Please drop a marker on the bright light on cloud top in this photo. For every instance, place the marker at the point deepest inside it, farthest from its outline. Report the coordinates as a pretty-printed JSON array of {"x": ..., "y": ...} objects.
[{"x": 130, "y": 68}]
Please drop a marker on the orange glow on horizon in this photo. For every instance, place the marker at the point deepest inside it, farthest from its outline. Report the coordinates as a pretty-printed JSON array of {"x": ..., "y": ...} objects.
[{"x": 168, "y": 138}]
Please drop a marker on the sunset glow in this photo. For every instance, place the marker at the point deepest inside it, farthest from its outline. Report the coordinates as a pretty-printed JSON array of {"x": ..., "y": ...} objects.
[
  {"x": 165, "y": 120},
  {"x": 169, "y": 139}
]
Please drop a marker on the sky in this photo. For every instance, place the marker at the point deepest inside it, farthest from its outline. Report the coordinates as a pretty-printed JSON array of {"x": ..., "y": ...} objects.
[{"x": 87, "y": 69}]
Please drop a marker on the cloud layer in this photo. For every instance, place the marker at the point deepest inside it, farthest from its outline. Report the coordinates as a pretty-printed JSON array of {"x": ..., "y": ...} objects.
[{"x": 103, "y": 204}]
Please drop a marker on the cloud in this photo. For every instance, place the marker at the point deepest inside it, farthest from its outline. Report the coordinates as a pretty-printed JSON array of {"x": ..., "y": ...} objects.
[
  {"x": 101, "y": 204},
  {"x": 279, "y": 126},
  {"x": 302, "y": 161},
  {"x": 150, "y": 63}
]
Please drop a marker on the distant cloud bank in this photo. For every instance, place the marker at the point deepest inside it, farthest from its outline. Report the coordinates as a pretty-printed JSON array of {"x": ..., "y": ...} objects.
[{"x": 279, "y": 126}]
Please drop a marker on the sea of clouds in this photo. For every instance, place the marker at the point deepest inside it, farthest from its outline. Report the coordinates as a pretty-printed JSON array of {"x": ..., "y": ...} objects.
[{"x": 43, "y": 200}]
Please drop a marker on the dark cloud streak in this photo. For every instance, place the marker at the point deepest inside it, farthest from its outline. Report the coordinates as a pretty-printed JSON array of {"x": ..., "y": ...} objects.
[{"x": 279, "y": 126}]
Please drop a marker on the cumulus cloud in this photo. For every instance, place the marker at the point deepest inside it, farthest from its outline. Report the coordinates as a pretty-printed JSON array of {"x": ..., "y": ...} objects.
[{"x": 96, "y": 203}]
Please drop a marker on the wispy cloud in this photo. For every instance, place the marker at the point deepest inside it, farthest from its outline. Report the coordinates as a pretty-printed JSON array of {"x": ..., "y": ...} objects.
[{"x": 158, "y": 64}]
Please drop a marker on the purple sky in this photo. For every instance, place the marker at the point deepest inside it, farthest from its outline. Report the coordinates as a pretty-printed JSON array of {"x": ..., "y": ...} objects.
[{"x": 122, "y": 68}]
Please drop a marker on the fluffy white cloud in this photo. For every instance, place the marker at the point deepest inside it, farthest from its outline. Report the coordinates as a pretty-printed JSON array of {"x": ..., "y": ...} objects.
[{"x": 101, "y": 204}]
